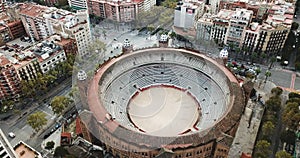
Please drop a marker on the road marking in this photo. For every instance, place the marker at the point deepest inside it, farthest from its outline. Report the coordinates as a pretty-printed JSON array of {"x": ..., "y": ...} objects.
[
  {"x": 293, "y": 81},
  {"x": 23, "y": 127},
  {"x": 45, "y": 112}
]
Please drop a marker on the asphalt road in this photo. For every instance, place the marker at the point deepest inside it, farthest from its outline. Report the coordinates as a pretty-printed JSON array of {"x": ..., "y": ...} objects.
[{"x": 23, "y": 131}]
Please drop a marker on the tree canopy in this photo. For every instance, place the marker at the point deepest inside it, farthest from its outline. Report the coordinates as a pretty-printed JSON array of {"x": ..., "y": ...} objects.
[
  {"x": 283, "y": 154},
  {"x": 262, "y": 149},
  {"x": 49, "y": 145},
  {"x": 268, "y": 128},
  {"x": 288, "y": 136},
  {"x": 37, "y": 120},
  {"x": 273, "y": 103},
  {"x": 60, "y": 152},
  {"x": 277, "y": 91},
  {"x": 294, "y": 26},
  {"x": 291, "y": 115},
  {"x": 59, "y": 103}
]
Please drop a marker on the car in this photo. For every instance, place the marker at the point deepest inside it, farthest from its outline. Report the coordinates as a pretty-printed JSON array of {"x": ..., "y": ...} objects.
[{"x": 11, "y": 135}]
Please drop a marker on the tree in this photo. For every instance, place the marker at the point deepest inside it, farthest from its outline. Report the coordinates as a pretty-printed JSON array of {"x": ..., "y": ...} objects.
[
  {"x": 60, "y": 152},
  {"x": 294, "y": 95},
  {"x": 59, "y": 103},
  {"x": 273, "y": 59},
  {"x": 262, "y": 149},
  {"x": 37, "y": 120},
  {"x": 253, "y": 56},
  {"x": 237, "y": 52},
  {"x": 173, "y": 35},
  {"x": 268, "y": 128},
  {"x": 291, "y": 115},
  {"x": 97, "y": 46},
  {"x": 294, "y": 26},
  {"x": 169, "y": 3},
  {"x": 288, "y": 136},
  {"x": 50, "y": 145},
  {"x": 273, "y": 103},
  {"x": 166, "y": 17},
  {"x": 246, "y": 51},
  {"x": 277, "y": 91},
  {"x": 283, "y": 154},
  {"x": 267, "y": 75},
  {"x": 257, "y": 72},
  {"x": 27, "y": 88}
]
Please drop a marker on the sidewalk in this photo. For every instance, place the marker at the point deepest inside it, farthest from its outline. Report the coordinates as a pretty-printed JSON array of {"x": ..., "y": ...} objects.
[{"x": 247, "y": 131}]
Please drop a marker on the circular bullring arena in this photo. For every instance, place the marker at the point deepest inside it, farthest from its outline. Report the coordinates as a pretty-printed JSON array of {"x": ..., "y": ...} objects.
[{"x": 164, "y": 98}]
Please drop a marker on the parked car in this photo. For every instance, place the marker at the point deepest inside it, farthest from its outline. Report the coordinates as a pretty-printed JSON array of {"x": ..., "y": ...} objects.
[{"x": 11, "y": 135}]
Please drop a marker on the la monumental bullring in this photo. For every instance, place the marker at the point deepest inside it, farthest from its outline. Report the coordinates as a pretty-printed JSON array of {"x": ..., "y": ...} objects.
[{"x": 163, "y": 102}]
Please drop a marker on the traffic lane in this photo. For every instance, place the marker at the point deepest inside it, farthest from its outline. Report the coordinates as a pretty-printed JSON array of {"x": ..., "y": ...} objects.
[
  {"x": 297, "y": 83},
  {"x": 281, "y": 78},
  {"x": 22, "y": 134},
  {"x": 23, "y": 131},
  {"x": 69, "y": 115}
]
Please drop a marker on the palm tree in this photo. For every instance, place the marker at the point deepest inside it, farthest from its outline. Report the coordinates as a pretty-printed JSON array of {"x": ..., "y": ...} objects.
[
  {"x": 237, "y": 52},
  {"x": 253, "y": 56},
  {"x": 267, "y": 75},
  {"x": 257, "y": 71},
  {"x": 245, "y": 51},
  {"x": 273, "y": 59}
]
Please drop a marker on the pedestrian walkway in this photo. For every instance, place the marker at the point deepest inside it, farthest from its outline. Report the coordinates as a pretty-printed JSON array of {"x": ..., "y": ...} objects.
[{"x": 247, "y": 131}]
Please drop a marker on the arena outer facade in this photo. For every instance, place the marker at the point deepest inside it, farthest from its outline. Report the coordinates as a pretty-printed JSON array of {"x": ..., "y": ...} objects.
[{"x": 124, "y": 142}]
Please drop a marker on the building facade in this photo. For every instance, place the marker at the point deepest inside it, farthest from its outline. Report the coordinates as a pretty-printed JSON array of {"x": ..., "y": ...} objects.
[
  {"x": 41, "y": 22},
  {"x": 238, "y": 22},
  {"x": 10, "y": 28},
  {"x": 9, "y": 81},
  {"x": 78, "y": 4},
  {"x": 248, "y": 29},
  {"x": 187, "y": 13},
  {"x": 120, "y": 11},
  {"x": 48, "y": 54}
]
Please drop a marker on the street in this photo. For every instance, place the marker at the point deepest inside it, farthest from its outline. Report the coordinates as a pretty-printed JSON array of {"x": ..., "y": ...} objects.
[{"x": 23, "y": 131}]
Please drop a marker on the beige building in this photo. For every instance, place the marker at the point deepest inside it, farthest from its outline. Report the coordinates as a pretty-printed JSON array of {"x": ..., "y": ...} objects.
[
  {"x": 119, "y": 10},
  {"x": 48, "y": 55},
  {"x": 41, "y": 22},
  {"x": 237, "y": 27}
]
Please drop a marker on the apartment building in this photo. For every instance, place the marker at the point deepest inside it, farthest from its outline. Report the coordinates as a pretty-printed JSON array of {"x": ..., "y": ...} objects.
[
  {"x": 186, "y": 13},
  {"x": 48, "y": 55},
  {"x": 41, "y": 22},
  {"x": 247, "y": 29},
  {"x": 9, "y": 80},
  {"x": 238, "y": 22},
  {"x": 119, "y": 10},
  {"x": 24, "y": 62},
  {"x": 215, "y": 27},
  {"x": 67, "y": 44},
  {"x": 10, "y": 28},
  {"x": 3, "y": 6},
  {"x": 78, "y": 4},
  {"x": 6, "y": 150},
  {"x": 148, "y": 4}
]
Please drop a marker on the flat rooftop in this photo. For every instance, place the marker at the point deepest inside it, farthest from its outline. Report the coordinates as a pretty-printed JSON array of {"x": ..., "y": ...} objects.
[{"x": 25, "y": 151}]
